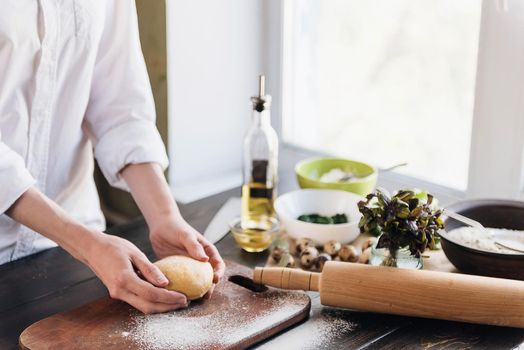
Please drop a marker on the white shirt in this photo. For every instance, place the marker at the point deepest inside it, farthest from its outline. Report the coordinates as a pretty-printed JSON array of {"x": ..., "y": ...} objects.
[{"x": 72, "y": 78}]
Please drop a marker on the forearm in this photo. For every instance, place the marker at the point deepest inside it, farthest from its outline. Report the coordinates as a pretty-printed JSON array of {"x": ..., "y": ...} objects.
[
  {"x": 36, "y": 211},
  {"x": 151, "y": 192}
]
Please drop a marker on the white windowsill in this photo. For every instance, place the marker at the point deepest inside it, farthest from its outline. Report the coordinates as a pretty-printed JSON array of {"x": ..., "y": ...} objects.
[{"x": 289, "y": 156}]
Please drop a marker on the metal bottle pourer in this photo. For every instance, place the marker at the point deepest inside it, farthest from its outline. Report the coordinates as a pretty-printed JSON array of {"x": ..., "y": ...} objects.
[{"x": 261, "y": 102}]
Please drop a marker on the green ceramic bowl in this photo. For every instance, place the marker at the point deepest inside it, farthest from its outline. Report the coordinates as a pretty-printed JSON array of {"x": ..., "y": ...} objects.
[{"x": 309, "y": 172}]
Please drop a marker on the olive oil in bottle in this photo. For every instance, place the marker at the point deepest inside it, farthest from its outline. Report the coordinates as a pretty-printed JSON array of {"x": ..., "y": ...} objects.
[
  {"x": 257, "y": 198},
  {"x": 260, "y": 165}
]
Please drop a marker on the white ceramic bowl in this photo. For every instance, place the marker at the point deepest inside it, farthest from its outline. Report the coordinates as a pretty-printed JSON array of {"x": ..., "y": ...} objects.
[{"x": 291, "y": 205}]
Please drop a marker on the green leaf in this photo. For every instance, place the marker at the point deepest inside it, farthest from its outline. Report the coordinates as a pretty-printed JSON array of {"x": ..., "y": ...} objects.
[
  {"x": 402, "y": 211},
  {"x": 408, "y": 219}
]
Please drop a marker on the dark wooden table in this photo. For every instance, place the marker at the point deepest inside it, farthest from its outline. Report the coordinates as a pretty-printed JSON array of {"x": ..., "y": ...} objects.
[{"x": 52, "y": 281}]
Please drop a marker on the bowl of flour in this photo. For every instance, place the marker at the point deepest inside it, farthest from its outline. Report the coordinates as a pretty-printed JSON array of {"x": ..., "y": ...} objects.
[{"x": 494, "y": 251}]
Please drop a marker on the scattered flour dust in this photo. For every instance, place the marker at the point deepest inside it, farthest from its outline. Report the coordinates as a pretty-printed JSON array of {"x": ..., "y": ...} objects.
[
  {"x": 224, "y": 326},
  {"x": 323, "y": 328}
]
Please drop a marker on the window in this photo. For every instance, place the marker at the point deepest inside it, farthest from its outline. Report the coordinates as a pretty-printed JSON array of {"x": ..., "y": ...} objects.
[
  {"x": 385, "y": 82},
  {"x": 435, "y": 83}
]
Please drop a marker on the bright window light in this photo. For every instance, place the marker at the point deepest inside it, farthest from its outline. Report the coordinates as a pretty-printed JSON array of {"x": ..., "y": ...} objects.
[{"x": 384, "y": 81}]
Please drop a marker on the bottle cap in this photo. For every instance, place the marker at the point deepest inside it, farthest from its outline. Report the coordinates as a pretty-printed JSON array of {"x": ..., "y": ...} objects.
[{"x": 262, "y": 101}]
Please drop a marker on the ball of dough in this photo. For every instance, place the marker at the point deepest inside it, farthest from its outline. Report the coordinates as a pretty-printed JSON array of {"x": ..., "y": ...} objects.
[{"x": 186, "y": 275}]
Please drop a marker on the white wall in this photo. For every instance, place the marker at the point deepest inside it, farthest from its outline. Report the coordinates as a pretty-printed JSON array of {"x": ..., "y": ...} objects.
[{"x": 215, "y": 53}]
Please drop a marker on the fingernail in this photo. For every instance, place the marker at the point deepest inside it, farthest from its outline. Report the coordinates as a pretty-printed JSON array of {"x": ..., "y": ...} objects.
[
  {"x": 162, "y": 279},
  {"x": 182, "y": 300}
]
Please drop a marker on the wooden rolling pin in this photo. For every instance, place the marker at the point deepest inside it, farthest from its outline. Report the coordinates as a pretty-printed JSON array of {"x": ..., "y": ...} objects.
[{"x": 429, "y": 294}]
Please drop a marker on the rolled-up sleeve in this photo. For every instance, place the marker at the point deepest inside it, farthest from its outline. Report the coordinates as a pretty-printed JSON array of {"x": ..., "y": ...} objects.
[
  {"x": 121, "y": 113},
  {"x": 15, "y": 179}
]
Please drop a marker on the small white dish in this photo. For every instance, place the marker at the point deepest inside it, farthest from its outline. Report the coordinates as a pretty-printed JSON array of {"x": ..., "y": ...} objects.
[{"x": 291, "y": 205}]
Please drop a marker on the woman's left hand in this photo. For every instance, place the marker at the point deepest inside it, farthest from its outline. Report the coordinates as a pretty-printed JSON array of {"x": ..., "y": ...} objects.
[{"x": 172, "y": 236}]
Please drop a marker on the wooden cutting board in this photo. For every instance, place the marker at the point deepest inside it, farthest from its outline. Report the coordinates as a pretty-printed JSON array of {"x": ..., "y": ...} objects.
[{"x": 234, "y": 318}]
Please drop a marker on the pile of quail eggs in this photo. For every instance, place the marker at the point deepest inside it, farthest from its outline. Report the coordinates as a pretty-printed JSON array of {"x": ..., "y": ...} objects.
[{"x": 310, "y": 256}]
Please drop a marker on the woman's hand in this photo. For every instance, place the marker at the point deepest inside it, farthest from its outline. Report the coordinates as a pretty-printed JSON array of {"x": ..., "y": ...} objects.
[
  {"x": 169, "y": 232},
  {"x": 117, "y": 263},
  {"x": 114, "y": 260},
  {"x": 175, "y": 236}
]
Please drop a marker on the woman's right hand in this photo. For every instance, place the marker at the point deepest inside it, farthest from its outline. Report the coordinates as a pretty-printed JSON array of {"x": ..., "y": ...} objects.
[{"x": 116, "y": 262}]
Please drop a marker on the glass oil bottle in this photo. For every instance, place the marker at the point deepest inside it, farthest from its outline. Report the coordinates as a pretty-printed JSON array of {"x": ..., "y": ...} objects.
[{"x": 260, "y": 166}]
